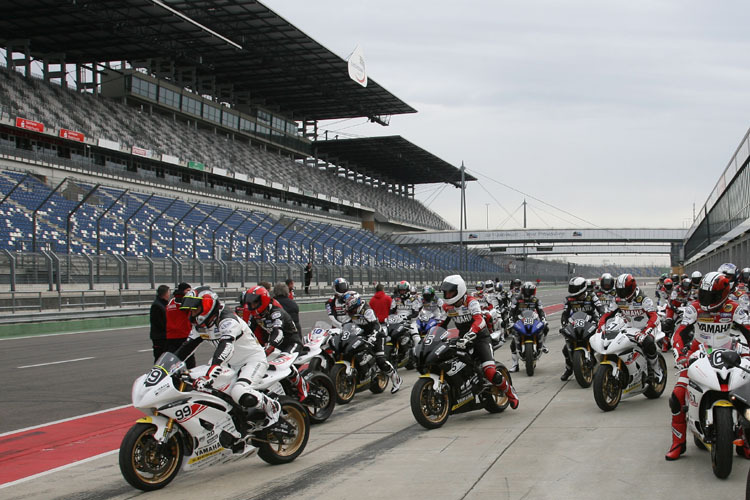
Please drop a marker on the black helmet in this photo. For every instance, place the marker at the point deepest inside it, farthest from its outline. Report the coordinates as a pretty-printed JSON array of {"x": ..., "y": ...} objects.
[
  {"x": 515, "y": 284},
  {"x": 607, "y": 282},
  {"x": 340, "y": 286}
]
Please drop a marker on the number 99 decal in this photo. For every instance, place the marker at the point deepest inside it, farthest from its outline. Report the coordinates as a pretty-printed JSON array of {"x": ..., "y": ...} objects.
[{"x": 183, "y": 413}]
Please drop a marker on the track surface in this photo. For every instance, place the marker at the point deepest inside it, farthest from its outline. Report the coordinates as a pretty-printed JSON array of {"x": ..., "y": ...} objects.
[{"x": 558, "y": 444}]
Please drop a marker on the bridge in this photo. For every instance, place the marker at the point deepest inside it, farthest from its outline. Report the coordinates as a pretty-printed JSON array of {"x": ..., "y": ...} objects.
[{"x": 539, "y": 242}]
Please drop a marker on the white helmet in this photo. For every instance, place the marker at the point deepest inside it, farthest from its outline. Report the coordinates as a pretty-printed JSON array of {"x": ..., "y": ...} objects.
[{"x": 453, "y": 288}]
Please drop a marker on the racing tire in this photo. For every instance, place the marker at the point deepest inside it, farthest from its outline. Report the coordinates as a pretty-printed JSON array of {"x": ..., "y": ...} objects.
[
  {"x": 324, "y": 396},
  {"x": 582, "y": 369},
  {"x": 654, "y": 391},
  {"x": 275, "y": 449},
  {"x": 379, "y": 383},
  {"x": 530, "y": 360},
  {"x": 430, "y": 408},
  {"x": 607, "y": 388},
  {"x": 723, "y": 448},
  {"x": 346, "y": 386},
  {"x": 144, "y": 463},
  {"x": 497, "y": 402}
]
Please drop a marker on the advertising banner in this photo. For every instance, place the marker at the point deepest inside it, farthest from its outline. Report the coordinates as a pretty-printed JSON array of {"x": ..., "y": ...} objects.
[
  {"x": 140, "y": 151},
  {"x": 170, "y": 159},
  {"x": 357, "y": 70},
  {"x": 29, "y": 124},
  {"x": 72, "y": 135},
  {"x": 196, "y": 165},
  {"x": 104, "y": 143}
]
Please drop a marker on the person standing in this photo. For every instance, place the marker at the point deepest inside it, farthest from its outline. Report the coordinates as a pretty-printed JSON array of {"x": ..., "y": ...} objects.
[
  {"x": 308, "y": 277},
  {"x": 281, "y": 294},
  {"x": 158, "y": 320},
  {"x": 381, "y": 303},
  {"x": 290, "y": 284},
  {"x": 178, "y": 322}
]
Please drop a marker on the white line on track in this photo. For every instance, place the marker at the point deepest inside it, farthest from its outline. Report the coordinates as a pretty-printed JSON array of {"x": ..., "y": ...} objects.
[
  {"x": 56, "y": 362},
  {"x": 145, "y": 350},
  {"x": 56, "y": 469}
]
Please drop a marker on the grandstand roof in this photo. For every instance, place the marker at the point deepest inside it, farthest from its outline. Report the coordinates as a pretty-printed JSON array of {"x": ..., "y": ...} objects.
[
  {"x": 392, "y": 156},
  {"x": 239, "y": 42}
]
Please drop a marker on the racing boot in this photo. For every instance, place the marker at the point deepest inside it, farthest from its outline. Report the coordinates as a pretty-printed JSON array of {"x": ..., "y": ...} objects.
[
  {"x": 509, "y": 391},
  {"x": 396, "y": 381},
  {"x": 260, "y": 401},
  {"x": 513, "y": 356},
  {"x": 497, "y": 379},
  {"x": 678, "y": 441},
  {"x": 301, "y": 384},
  {"x": 567, "y": 373},
  {"x": 742, "y": 450}
]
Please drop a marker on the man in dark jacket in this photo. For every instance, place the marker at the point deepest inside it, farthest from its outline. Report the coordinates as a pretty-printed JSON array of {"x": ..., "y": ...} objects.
[
  {"x": 281, "y": 294},
  {"x": 158, "y": 319},
  {"x": 308, "y": 277},
  {"x": 381, "y": 303}
]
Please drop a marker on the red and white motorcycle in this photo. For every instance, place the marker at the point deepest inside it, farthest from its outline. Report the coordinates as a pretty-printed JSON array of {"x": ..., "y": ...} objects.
[
  {"x": 188, "y": 430},
  {"x": 711, "y": 416},
  {"x": 622, "y": 369}
]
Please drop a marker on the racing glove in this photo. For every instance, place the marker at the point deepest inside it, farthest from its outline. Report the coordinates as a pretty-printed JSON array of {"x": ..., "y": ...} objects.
[
  {"x": 207, "y": 380},
  {"x": 641, "y": 336},
  {"x": 464, "y": 342}
]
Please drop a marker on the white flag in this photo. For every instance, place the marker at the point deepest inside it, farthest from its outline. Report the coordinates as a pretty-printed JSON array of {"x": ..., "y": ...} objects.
[{"x": 357, "y": 71}]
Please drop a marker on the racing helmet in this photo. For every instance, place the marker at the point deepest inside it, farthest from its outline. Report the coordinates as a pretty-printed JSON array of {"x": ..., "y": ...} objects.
[
  {"x": 258, "y": 301},
  {"x": 729, "y": 270},
  {"x": 696, "y": 278},
  {"x": 607, "y": 282},
  {"x": 714, "y": 290},
  {"x": 589, "y": 285},
  {"x": 675, "y": 278},
  {"x": 340, "y": 287},
  {"x": 576, "y": 286},
  {"x": 625, "y": 286},
  {"x": 515, "y": 284},
  {"x": 489, "y": 286},
  {"x": 403, "y": 288},
  {"x": 663, "y": 277},
  {"x": 479, "y": 287},
  {"x": 528, "y": 289},
  {"x": 428, "y": 294},
  {"x": 686, "y": 284},
  {"x": 353, "y": 302},
  {"x": 668, "y": 285},
  {"x": 744, "y": 276},
  {"x": 499, "y": 287},
  {"x": 453, "y": 288},
  {"x": 204, "y": 307}
]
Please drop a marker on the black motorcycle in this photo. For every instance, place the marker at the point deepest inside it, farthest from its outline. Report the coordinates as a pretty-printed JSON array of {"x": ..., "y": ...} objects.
[
  {"x": 355, "y": 368},
  {"x": 579, "y": 328},
  {"x": 451, "y": 381},
  {"x": 398, "y": 348}
]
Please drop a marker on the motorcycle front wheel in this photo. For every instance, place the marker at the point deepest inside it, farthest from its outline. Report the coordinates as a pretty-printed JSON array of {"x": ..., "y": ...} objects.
[
  {"x": 146, "y": 464},
  {"x": 582, "y": 369},
  {"x": 429, "y": 407},
  {"x": 723, "y": 447},
  {"x": 530, "y": 360},
  {"x": 346, "y": 386},
  {"x": 281, "y": 448},
  {"x": 607, "y": 389},
  {"x": 321, "y": 397}
]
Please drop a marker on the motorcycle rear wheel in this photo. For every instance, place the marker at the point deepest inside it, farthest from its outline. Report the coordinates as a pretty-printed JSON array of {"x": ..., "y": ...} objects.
[
  {"x": 582, "y": 369},
  {"x": 498, "y": 401},
  {"x": 323, "y": 394},
  {"x": 346, "y": 386},
  {"x": 430, "y": 408},
  {"x": 530, "y": 360},
  {"x": 275, "y": 449},
  {"x": 654, "y": 391},
  {"x": 721, "y": 450},
  {"x": 607, "y": 388},
  {"x": 379, "y": 383},
  {"x": 144, "y": 463}
]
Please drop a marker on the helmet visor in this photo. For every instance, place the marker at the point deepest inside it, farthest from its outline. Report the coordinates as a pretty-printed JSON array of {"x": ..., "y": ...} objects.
[
  {"x": 341, "y": 287},
  {"x": 253, "y": 301},
  {"x": 192, "y": 303},
  {"x": 710, "y": 298},
  {"x": 450, "y": 290},
  {"x": 624, "y": 293}
]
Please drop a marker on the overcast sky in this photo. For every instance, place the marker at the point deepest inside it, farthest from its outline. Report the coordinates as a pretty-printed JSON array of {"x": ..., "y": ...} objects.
[{"x": 621, "y": 113}]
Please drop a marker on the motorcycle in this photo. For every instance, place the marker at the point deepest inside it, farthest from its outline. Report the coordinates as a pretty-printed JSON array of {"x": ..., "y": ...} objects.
[
  {"x": 622, "y": 368},
  {"x": 528, "y": 332},
  {"x": 426, "y": 320},
  {"x": 171, "y": 438},
  {"x": 399, "y": 344},
  {"x": 320, "y": 394},
  {"x": 711, "y": 415},
  {"x": 740, "y": 398},
  {"x": 355, "y": 368},
  {"x": 451, "y": 382},
  {"x": 577, "y": 332},
  {"x": 497, "y": 333}
]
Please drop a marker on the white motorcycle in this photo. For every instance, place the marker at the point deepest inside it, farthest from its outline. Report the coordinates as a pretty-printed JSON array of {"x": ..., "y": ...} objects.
[
  {"x": 321, "y": 393},
  {"x": 622, "y": 369},
  {"x": 189, "y": 430},
  {"x": 711, "y": 416}
]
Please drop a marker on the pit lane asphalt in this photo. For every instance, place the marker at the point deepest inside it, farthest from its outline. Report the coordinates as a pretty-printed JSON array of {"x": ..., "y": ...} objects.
[{"x": 557, "y": 445}]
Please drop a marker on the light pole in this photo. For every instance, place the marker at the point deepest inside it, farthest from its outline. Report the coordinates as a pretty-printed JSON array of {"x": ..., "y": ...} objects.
[{"x": 487, "y": 206}]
